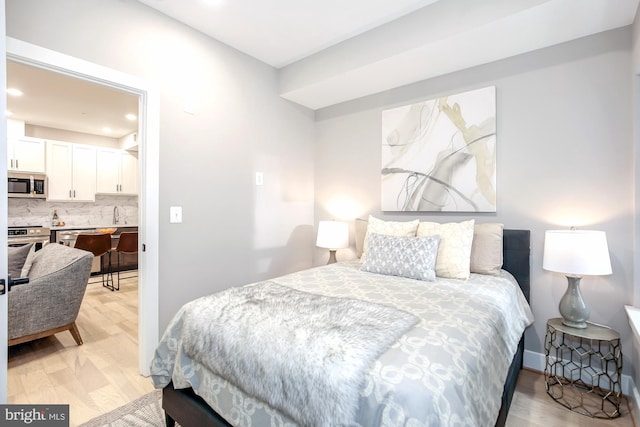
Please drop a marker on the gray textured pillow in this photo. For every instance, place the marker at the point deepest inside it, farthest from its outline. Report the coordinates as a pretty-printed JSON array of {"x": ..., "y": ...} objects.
[
  {"x": 17, "y": 257},
  {"x": 412, "y": 257},
  {"x": 486, "y": 251},
  {"x": 26, "y": 268}
]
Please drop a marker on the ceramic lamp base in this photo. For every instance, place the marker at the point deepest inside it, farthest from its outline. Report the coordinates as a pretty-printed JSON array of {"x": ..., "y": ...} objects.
[{"x": 573, "y": 309}]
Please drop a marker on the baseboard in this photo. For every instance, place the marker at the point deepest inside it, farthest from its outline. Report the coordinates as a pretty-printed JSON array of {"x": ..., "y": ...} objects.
[
  {"x": 537, "y": 362},
  {"x": 634, "y": 398}
]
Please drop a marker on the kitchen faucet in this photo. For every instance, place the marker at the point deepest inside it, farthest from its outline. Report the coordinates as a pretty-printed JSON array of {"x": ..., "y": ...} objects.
[{"x": 116, "y": 215}]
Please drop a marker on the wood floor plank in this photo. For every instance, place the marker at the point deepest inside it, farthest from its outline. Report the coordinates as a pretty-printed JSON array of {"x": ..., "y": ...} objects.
[{"x": 533, "y": 407}]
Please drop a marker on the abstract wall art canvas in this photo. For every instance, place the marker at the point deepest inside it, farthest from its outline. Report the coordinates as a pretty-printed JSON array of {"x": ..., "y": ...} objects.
[{"x": 440, "y": 155}]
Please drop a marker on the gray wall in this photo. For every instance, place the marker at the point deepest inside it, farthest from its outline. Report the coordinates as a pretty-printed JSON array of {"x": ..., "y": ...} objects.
[
  {"x": 233, "y": 232},
  {"x": 565, "y": 157},
  {"x": 565, "y": 151},
  {"x": 635, "y": 75}
]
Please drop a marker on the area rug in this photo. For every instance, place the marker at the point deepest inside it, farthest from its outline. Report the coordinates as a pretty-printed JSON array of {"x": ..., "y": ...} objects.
[{"x": 146, "y": 411}]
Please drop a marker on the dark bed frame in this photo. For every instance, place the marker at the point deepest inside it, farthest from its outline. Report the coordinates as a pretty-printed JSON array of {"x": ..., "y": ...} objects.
[{"x": 190, "y": 410}]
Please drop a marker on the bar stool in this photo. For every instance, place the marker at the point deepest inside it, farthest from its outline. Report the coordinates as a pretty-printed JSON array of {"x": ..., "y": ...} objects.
[
  {"x": 100, "y": 245},
  {"x": 127, "y": 244}
]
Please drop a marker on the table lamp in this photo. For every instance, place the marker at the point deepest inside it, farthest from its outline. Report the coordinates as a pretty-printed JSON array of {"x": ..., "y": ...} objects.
[
  {"x": 576, "y": 253},
  {"x": 332, "y": 235}
]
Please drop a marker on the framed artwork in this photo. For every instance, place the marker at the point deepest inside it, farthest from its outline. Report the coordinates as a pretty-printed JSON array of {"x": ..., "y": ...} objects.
[{"x": 440, "y": 155}]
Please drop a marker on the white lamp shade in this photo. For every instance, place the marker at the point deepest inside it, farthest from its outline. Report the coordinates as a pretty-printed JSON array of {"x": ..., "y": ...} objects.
[
  {"x": 576, "y": 252},
  {"x": 333, "y": 235}
]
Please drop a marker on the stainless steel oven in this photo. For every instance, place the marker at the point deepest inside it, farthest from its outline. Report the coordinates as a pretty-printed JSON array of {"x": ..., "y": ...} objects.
[{"x": 22, "y": 235}]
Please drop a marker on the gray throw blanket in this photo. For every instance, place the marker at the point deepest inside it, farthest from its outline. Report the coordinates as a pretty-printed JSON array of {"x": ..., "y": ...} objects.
[{"x": 304, "y": 354}]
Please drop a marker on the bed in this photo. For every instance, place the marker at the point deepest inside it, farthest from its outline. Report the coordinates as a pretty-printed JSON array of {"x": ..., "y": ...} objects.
[{"x": 195, "y": 394}]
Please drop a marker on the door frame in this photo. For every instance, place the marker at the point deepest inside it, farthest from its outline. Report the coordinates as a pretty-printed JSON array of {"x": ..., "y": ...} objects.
[
  {"x": 148, "y": 174},
  {"x": 3, "y": 210}
]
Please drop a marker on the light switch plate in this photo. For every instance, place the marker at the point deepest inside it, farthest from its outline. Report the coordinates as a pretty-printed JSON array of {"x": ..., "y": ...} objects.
[
  {"x": 259, "y": 178},
  {"x": 175, "y": 214}
]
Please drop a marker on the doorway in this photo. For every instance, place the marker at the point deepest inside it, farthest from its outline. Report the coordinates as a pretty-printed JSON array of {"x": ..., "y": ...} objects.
[{"x": 148, "y": 198}]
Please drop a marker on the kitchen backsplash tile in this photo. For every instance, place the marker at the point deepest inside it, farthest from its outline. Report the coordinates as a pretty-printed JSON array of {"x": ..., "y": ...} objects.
[{"x": 100, "y": 213}]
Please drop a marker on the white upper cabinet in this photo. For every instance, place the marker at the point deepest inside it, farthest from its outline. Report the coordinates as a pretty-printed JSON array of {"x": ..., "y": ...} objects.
[
  {"x": 15, "y": 128},
  {"x": 84, "y": 173},
  {"x": 107, "y": 171},
  {"x": 71, "y": 171},
  {"x": 25, "y": 154},
  {"x": 117, "y": 172},
  {"x": 129, "y": 173}
]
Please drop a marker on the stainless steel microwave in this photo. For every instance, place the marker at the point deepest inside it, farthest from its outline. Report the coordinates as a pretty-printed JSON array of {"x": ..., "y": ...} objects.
[{"x": 27, "y": 185}]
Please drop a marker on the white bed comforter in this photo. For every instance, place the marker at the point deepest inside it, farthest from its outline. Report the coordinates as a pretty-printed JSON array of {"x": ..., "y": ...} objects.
[{"x": 449, "y": 370}]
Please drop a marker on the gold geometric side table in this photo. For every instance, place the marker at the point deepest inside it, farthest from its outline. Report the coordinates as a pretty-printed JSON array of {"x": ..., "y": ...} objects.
[{"x": 583, "y": 368}]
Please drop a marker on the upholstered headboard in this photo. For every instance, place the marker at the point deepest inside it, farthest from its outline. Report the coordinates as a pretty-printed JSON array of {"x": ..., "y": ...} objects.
[{"x": 516, "y": 246}]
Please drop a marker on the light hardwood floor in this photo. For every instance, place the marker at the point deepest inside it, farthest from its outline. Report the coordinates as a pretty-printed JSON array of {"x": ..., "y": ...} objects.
[
  {"x": 94, "y": 378},
  {"x": 532, "y": 407},
  {"x": 102, "y": 374}
]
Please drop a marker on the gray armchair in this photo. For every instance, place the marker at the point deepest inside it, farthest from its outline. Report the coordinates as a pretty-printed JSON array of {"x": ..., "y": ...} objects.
[{"x": 50, "y": 302}]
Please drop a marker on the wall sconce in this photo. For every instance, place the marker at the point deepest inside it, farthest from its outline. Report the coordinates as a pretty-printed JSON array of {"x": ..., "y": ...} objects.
[
  {"x": 576, "y": 253},
  {"x": 332, "y": 235}
]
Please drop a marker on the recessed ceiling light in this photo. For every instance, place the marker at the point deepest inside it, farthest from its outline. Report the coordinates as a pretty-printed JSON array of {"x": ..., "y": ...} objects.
[
  {"x": 130, "y": 117},
  {"x": 106, "y": 129},
  {"x": 14, "y": 92}
]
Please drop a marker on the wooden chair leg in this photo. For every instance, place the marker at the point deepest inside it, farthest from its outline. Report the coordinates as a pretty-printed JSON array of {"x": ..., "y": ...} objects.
[{"x": 75, "y": 333}]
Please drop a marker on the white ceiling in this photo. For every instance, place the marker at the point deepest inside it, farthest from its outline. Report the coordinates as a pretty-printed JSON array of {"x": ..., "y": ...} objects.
[
  {"x": 280, "y": 32},
  {"x": 331, "y": 51},
  {"x": 58, "y": 101}
]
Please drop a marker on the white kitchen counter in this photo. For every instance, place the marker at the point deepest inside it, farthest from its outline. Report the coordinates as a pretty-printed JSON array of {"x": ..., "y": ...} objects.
[{"x": 91, "y": 226}]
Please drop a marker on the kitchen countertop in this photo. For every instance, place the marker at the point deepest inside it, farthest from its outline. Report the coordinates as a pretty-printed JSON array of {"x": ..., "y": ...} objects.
[{"x": 91, "y": 227}]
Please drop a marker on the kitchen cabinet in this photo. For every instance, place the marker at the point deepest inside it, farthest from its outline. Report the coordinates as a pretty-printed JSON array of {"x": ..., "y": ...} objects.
[
  {"x": 71, "y": 171},
  {"x": 25, "y": 154},
  {"x": 128, "y": 173},
  {"x": 117, "y": 172},
  {"x": 15, "y": 128}
]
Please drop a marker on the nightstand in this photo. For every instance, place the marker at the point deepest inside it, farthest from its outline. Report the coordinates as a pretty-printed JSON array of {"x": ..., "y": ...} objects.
[{"x": 583, "y": 368}]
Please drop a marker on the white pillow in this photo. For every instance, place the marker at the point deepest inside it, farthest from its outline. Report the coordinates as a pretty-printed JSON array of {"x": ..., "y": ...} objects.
[
  {"x": 454, "y": 250},
  {"x": 390, "y": 228},
  {"x": 412, "y": 257},
  {"x": 361, "y": 233}
]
